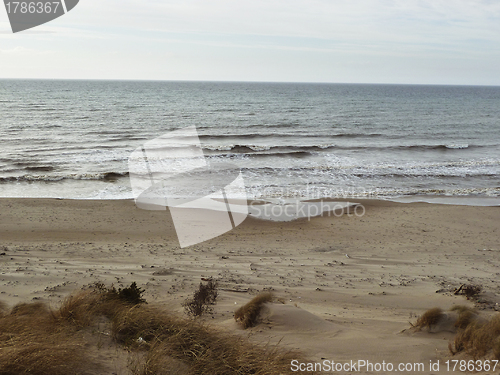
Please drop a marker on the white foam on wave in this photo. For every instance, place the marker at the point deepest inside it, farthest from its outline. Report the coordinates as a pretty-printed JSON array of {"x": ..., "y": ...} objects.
[
  {"x": 453, "y": 200},
  {"x": 259, "y": 148},
  {"x": 457, "y": 146}
]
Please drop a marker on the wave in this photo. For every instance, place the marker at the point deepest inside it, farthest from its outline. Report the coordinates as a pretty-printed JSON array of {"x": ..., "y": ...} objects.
[
  {"x": 111, "y": 132},
  {"x": 127, "y": 138},
  {"x": 297, "y": 154},
  {"x": 268, "y": 150},
  {"x": 281, "y": 135},
  {"x": 271, "y": 150},
  {"x": 42, "y": 168},
  {"x": 103, "y": 176},
  {"x": 263, "y": 154},
  {"x": 277, "y": 191},
  {"x": 238, "y": 148},
  {"x": 42, "y": 109},
  {"x": 439, "y": 147},
  {"x": 462, "y": 168},
  {"x": 37, "y": 107},
  {"x": 442, "y": 147},
  {"x": 373, "y": 175},
  {"x": 29, "y": 167}
]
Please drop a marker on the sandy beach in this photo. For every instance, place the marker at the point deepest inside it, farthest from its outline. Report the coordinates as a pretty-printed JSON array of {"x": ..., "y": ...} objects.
[{"x": 348, "y": 286}]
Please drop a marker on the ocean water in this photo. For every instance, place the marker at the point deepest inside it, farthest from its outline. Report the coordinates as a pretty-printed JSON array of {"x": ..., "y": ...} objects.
[{"x": 72, "y": 139}]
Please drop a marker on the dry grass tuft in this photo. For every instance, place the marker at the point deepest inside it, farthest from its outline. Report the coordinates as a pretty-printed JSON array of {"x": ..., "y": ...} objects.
[
  {"x": 429, "y": 318},
  {"x": 80, "y": 309},
  {"x": 461, "y": 340},
  {"x": 466, "y": 316},
  {"x": 26, "y": 319},
  {"x": 479, "y": 340},
  {"x": 30, "y": 309},
  {"x": 159, "y": 361},
  {"x": 138, "y": 323},
  {"x": 32, "y": 342},
  {"x": 460, "y": 308},
  {"x": 248, "y": 314},
  {"x": 47, "y": 355}
]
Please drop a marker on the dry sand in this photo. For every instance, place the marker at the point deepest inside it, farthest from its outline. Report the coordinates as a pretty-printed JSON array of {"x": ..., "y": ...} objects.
[{"x": 350, "y": 284}]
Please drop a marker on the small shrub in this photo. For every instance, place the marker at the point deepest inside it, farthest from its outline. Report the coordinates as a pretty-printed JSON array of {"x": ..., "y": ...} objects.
[
  {"x": 248, "y": 314},
  {"x": 205, "y": 296},
  {"x": 429, "y": 318},
  {"x": 132, "y": 294}
]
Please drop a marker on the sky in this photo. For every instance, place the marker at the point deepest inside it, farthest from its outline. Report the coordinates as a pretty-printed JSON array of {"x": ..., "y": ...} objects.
[{"x": 346, "y": 41}]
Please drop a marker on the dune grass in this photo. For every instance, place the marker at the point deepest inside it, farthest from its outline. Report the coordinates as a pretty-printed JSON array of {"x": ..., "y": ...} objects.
[
  {"x": 248, "y": 314},
  {"x": 466, "y": 316},
  {"x": 429, "y": 318},
  {"x": 478, "y": 340},
  {"x": 474, "y": 337},
  {"x": 35, "y": 339},
  {"x": 192, "y": 347}
]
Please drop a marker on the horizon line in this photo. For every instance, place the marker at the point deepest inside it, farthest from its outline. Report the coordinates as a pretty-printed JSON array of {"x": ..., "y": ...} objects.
[{"x": 249, "y": 81}]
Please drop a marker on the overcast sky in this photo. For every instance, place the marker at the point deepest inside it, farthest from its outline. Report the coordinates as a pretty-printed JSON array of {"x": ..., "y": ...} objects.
[{"x": 358, "y": 41}]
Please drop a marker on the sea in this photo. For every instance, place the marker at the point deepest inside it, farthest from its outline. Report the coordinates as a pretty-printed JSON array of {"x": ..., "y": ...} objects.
[{"x": 73, "y": 138}]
